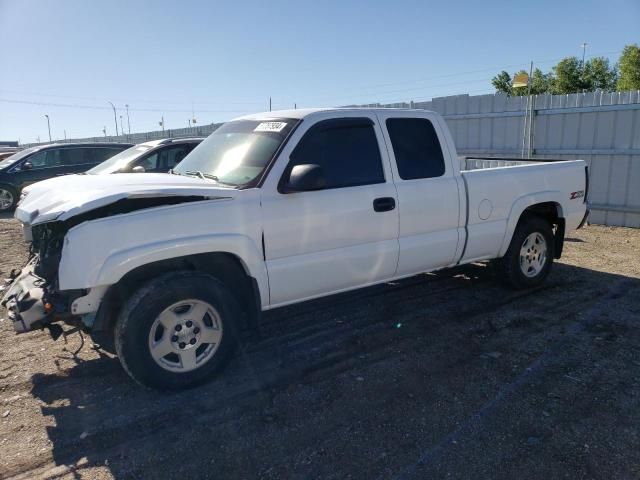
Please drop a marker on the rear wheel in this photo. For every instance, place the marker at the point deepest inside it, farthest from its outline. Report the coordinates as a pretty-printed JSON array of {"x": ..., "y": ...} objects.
[
  {"x": 529, "y": 257},
  {"x": 8, "y": 198},
  {"x": 177, "y": 331}
]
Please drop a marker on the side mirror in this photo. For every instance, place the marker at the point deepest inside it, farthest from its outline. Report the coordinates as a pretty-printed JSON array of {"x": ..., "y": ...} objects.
[
  {"x": 138, "y": 169},
  {"x": 26, "y": 166},
  {"x": 305, "y": 178}
]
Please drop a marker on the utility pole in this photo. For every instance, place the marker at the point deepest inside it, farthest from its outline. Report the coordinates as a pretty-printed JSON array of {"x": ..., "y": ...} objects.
[
  {"x": 269, "y": 103},
  {"x": 104, "y": 130},
  {"x": 65, "y": 135},
  {"x": 161, "y": 122},
  {"x": 526, "y": 132},
  {"x": 48, "y": 126},
  {"x": 128, "y": 122},
  {"x": 584, "y": 49},
  {"x": 115, "y": 116},
  {"x": 295, "y": 106}
]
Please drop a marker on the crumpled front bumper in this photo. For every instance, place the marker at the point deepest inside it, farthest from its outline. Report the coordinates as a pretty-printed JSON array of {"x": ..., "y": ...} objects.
[{"x": 24, "y": 301}]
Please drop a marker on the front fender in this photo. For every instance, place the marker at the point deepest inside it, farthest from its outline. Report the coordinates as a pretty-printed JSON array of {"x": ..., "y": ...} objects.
[
  {"x": 119, "y": 263},
  {"x": 520, "y": 205},
  {"x": 100, "y": 252}
]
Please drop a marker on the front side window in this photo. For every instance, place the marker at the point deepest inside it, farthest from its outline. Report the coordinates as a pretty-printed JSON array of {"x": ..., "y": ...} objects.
[
  {"x": 416, "y": 148},
  {"x": 45, "y": 159},
  {"x": 346, "y": 149},
  {"x": 120, "y": 161},
  {"x": 174, "y": 155},
  {"x": 149, "y": 163},
  {"x": 238, "y": 152}
]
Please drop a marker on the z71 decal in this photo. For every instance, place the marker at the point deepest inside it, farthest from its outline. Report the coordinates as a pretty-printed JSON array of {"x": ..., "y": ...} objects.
[{"x": 578, "y": 194}]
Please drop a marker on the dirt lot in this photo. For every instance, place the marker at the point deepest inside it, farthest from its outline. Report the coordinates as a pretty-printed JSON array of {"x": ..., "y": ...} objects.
[{"x": 445, "y": 375}]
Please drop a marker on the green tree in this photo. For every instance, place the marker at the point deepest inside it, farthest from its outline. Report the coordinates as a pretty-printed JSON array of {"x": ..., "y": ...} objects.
[
  {"x": 502, "y": 82},
  {"x": 629, "y": 66},
  {"x": 567, "y": 76},
  {"x": 597, "y": 74},
  {"x": 541, "y": 82}
]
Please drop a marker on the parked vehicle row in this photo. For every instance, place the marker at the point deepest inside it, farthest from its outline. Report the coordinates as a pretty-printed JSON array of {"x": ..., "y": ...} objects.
[
  {"x": 40, "y": 163},
  {"x": 274, "y": 209}
]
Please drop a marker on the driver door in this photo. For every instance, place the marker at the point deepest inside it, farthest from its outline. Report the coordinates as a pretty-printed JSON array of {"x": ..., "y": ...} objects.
[{"x": 324, "y": 241}]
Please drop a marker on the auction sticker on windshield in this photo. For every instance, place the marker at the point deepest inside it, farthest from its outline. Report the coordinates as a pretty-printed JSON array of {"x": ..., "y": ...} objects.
[{"x": 270, "y": 127}]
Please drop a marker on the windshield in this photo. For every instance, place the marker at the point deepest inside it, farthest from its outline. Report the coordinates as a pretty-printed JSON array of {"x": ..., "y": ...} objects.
[
  {"x": 17, "y": 156},
  {"x": 120, "y": 160},
  {"x": 237, "y": 152}
]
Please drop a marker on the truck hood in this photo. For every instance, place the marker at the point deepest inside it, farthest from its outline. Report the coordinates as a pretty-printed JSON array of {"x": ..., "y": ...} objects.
[{"x": 64, "y": 197}]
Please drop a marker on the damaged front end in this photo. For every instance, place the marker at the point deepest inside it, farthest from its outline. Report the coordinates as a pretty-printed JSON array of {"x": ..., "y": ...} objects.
[{"x": 32, "y": 298}]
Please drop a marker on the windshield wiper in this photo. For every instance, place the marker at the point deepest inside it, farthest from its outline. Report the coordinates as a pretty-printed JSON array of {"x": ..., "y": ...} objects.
[{"x": 202, "y": 175}]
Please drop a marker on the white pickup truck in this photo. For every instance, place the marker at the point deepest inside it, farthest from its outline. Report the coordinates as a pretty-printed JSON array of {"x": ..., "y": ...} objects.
[{"x": 273, "y": 209}]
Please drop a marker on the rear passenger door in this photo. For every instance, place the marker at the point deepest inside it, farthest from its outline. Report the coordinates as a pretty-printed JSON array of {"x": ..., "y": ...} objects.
[
  {"x": 100, "y": 154},
  {"x": 323, "y": 241},
  {"x": 428, "y": 195},
  {"x": 76, "y": 159}
]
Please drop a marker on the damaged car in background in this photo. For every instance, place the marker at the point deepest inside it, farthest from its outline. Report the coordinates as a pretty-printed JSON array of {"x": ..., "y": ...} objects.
[{"x": 273, "y": 209}]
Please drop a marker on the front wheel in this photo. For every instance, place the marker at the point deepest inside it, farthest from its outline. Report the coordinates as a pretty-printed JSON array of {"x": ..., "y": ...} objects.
[
  {"x": 529, "y": 257},
  {"x": 177, "y": 331}
]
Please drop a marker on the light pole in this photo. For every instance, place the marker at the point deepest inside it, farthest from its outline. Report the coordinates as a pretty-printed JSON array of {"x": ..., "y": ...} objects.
[
  {"x": 121, "y": 127},
  {"x": 104, "y": 130},
  {"x": 115, "y": 117},
  {"x": 128, "y": 121},
  {"x": 161, "y": 122},
  {"x": 48, "y": 126}
]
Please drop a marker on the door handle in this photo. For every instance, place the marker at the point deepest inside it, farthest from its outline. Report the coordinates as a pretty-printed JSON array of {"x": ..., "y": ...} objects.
[{"x": 384, "y": 204}]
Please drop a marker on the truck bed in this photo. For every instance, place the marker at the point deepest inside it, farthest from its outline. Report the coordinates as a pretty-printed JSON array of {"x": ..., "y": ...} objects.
[
  {"x": 480, "y": 163},
  {"x": 494, "y": 187}
]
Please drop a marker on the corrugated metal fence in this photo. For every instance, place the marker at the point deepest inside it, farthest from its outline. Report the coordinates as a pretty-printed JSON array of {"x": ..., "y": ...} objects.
[
  {"x": 601, "y": 128},
  {"x": 201, "y": 131}
]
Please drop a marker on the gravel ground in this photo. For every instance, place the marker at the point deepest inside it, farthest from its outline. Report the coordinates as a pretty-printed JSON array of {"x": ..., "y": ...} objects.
[{"x": 440, "y": 375}]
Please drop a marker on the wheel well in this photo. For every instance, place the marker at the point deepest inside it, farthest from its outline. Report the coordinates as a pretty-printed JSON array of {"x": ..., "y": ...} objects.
[
  {"x": 552, "y": 212},
  {"x": 226, "y": 267}
]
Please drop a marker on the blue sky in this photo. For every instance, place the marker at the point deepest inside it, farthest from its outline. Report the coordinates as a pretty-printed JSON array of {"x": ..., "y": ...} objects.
[{"x": 227, "y": 58}]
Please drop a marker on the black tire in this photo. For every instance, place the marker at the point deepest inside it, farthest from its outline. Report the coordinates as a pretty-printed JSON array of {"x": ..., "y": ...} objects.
[
  {"x": 140, "y": 311},
  {"x": 14, "y": 195},
  {"x": 509, "y": 269}
]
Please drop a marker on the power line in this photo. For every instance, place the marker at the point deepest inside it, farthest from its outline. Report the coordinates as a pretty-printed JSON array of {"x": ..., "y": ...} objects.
[
  {"x": 97, "y": 107},
  {"x": 257, "y": 103}
]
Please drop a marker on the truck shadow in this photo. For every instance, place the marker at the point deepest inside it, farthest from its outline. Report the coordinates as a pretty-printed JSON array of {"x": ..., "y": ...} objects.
[{"x": 449, "y": 324}]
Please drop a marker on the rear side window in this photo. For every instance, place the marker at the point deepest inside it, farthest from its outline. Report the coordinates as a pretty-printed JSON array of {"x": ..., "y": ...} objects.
[
  {"x": 100, "y": 154},
  {"x": 74, "y": 156},
  {"x": 346, "y": 149},
  {"x": 416, "y": 148}
]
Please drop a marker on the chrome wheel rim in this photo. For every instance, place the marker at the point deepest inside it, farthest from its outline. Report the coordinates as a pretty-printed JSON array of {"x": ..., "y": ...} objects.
[
  {"x": 533, "y": 254},
  {"x": 6, "y": 199},
  {"x": 185, "y": 336}
]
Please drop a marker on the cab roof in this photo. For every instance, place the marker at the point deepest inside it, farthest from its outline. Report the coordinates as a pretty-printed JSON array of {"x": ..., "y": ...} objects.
[{"x": 305, "y": 112}]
